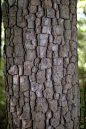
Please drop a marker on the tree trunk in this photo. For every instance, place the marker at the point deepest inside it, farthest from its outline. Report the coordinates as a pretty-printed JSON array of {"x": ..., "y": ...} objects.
[{"x": 41, "y": 64}]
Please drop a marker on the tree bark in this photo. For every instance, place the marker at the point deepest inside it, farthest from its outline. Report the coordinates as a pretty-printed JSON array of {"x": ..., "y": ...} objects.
[{"x": 41, "y": 64}]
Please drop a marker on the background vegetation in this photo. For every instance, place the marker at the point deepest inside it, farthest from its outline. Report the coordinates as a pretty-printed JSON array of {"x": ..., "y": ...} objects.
[{"x": 81, "y": 25}]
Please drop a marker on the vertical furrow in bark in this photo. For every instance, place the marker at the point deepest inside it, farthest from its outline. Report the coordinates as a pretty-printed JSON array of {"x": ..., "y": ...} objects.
[{"x": 41, "y": 64}]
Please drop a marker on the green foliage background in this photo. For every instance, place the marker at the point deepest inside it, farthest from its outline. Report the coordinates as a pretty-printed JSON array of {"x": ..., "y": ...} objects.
[{"x": 81, "y": 25}]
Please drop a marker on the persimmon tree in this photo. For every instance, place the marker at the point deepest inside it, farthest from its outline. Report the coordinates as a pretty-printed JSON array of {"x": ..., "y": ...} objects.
[{"x": 41, "y": 64}]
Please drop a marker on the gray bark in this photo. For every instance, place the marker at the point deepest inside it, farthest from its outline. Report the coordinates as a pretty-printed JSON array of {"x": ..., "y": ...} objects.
[{"x": 41, "y": 64}]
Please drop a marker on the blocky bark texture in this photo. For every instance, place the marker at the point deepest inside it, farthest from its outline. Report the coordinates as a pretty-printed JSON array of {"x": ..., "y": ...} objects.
[{"x": 41, "y": 64}]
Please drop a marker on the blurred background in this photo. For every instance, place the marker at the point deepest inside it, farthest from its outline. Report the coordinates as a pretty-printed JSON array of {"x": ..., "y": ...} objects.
[{"x": 81, "y": 25}]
